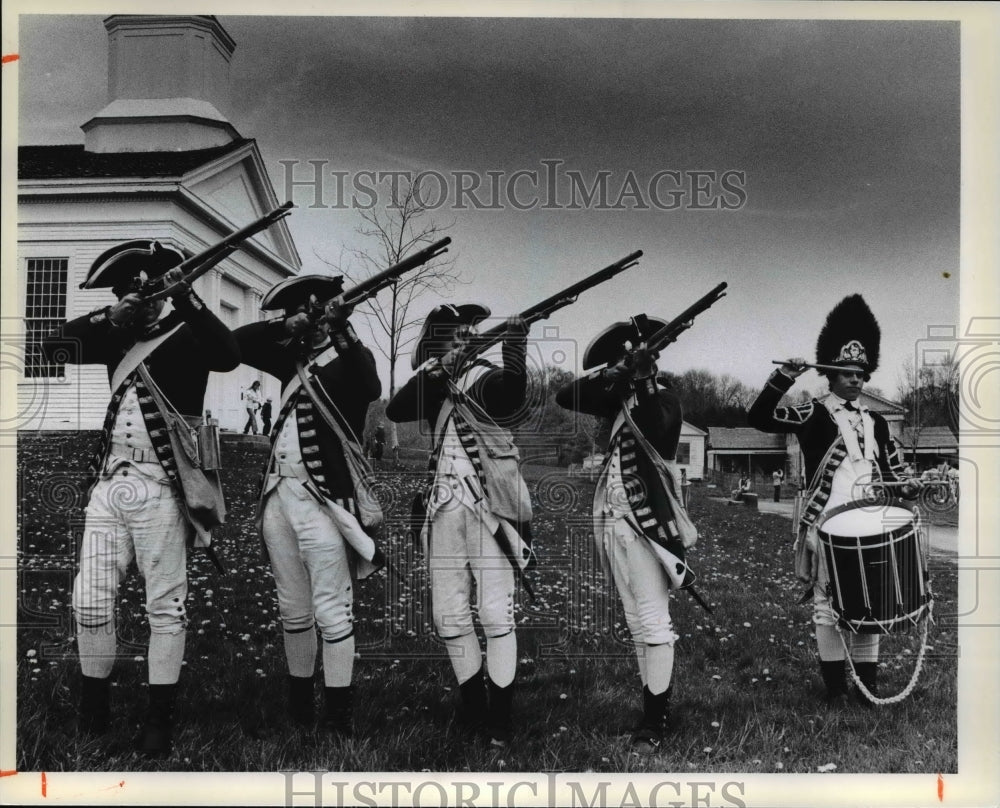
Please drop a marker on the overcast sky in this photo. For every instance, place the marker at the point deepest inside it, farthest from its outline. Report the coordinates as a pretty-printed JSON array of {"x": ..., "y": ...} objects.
[{"x": 845, "y": 136}]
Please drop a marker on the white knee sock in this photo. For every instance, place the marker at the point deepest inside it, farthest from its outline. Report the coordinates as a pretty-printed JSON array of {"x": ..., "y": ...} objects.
[
  {"x": 640, "y": 658},
  {"x": 864, "y": 647},
  {"x": 466, "y": 658},
  {"x": 659, "y": 667},
  {"x": 829, "y": 644},
  {"x": 166, "y": 655},
  {"x": 300, "y": 652},
  {"x": 338, "y": 662},
  {"x": 97, "y": 648},
  {"x": 501, "y": 658}
]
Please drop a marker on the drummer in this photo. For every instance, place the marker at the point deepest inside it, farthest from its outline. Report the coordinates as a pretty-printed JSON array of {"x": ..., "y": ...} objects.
[{"x": 845, "y": 447}]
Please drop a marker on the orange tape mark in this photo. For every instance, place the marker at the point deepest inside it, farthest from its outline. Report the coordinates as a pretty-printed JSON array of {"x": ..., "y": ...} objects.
[
  {"x": 10, "y": 57},
  {"x": 44, "y": 785},
  {"x": 940, "y": 788},
  {"x": 4, "y": 773}
]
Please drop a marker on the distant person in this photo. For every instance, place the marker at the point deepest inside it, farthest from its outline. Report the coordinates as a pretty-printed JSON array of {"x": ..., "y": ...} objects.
[
  {"x": 742, "y": 487},
  {"x": 378, "y": 445},
  {"x": 777, "y": 476},
  {"x": 251, "y": 401},
  {"x": 265, "y": 418}
]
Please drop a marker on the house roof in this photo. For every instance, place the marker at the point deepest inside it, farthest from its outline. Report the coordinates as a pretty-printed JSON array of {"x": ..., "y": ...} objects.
[
  {"x": 744, "y": 438},
  {"x": 929, "y": 437},
  {"x": 74, "y": 162},
  {"x": 883, "y": 404},
  {"x": 691, "y": 429}
]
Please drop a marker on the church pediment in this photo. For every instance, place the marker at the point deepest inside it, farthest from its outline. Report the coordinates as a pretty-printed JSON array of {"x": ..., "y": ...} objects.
[{"x": 236, "y": 189}]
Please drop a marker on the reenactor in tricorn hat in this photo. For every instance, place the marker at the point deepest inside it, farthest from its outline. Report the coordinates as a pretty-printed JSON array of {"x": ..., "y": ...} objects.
[
  {"x": 845, "y": 446},
  {"x": 640, "y": 524},
  {"x": 475, "y": 526},
  {"x": 312, "y": 513},
  {"x": 146, "y": 500}
]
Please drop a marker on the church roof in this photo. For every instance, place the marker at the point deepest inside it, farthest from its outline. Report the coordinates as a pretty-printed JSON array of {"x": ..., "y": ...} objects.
[{"x": 74, "y": 162}]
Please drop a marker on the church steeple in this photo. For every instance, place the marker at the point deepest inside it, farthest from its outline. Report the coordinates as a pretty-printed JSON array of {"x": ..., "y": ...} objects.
[{"x": 167, "y": 78}]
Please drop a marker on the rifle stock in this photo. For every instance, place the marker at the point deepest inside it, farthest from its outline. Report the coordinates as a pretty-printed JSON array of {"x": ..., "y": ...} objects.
[{"x": 197, "y": 265}]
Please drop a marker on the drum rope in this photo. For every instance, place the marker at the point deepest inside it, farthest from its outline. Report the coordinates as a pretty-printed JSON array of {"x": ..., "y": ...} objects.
[{"x": 905, "y": 692}]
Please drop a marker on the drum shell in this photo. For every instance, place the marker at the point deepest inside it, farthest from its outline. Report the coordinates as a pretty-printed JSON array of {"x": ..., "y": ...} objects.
[{"x": 877, "y": 582}]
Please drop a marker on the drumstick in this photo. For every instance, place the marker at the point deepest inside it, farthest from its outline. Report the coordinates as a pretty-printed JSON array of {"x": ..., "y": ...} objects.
[{"x": 808, "y": 365}]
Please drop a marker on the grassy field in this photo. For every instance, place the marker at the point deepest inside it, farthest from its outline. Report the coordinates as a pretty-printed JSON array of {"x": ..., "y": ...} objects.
[{"x": 746, "y": 677}]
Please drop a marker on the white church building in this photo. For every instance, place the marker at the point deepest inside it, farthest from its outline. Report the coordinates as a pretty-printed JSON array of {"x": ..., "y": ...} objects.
[{"x": 159, "y": 161}]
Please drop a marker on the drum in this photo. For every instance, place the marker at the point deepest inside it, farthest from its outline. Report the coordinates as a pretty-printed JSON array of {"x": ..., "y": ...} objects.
[{"x": 878, "y": 576}]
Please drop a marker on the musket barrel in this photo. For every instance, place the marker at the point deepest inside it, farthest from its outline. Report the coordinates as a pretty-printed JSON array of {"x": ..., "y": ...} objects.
[
  {"x": 664, "y": 336},
  {"x": 487, "y": 339},
  {"x": 197, "y": 265},
  {"x": 370, "y": 286}
]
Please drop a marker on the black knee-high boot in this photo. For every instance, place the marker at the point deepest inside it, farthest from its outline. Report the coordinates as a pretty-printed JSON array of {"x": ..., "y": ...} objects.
[
  {"x": 156, "y": 738},
  {"x": 655, "y": 717},
  {"x": 499, "y": 720},
  {"x": 474, "y": 704},
  {"x": 95, "y": 705},
  {"x": 301, "y": 704},
  {"x": 833, "y": 672},
  {"x": 338, "y": 711},
  {"x": 868, "y": 674}
]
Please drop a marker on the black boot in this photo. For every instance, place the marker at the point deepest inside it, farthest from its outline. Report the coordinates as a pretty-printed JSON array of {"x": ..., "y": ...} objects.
[
  {"x": 301, "y": 706},
  {"x": 655, "y": 714},
  {"x": 499, "y": 721},
  {"x": 474, "y": 704},
  {"x": 156, "y": 738},
  {"x": 834, "y": 679},
  {"x": 95, "y": 705},
  {"x": 338, "y": 711},
  {"x": 868, "y": 674}
]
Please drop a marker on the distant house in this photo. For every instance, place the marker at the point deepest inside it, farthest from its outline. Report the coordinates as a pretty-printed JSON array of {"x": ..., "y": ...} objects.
[
  {"x": 691, "y": 451},
  {"x": 929, "y": 445},
  {"x": 745, "y": 449}
]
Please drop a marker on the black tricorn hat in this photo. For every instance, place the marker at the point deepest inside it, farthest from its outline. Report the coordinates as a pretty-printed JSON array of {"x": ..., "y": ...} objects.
[
  {"x": 614, "y": 341},
  {"x": 123, "y": 263},
  {"x": 441, "y": 323},
  {"x": 292, "y": 291},
  {"x": 850, "y": 337}
]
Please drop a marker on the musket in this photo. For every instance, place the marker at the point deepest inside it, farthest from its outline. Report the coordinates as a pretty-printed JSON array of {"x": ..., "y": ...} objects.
[
  {"x": 671, "y": 331},
  {"x": 197, "y": 265},
  {"x": 376, "y": 283},
  {"x": 481, "y": 342}
]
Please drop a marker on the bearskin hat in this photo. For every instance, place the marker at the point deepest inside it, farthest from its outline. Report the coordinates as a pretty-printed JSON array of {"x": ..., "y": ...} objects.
[
  {"x": 850, "y": 337},
  {"x": 612, "y": 343}
]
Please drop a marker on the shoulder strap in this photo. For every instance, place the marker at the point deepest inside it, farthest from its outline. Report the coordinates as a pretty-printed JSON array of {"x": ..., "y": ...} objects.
[
  {"x": 138, "y": 354},
  {"x": 296, "y": 381}
]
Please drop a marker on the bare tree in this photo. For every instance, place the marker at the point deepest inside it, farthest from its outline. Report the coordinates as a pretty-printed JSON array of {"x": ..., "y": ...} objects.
[
  {"x": 396, "y": 231},
  {"x": 930, "y": 395}
]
